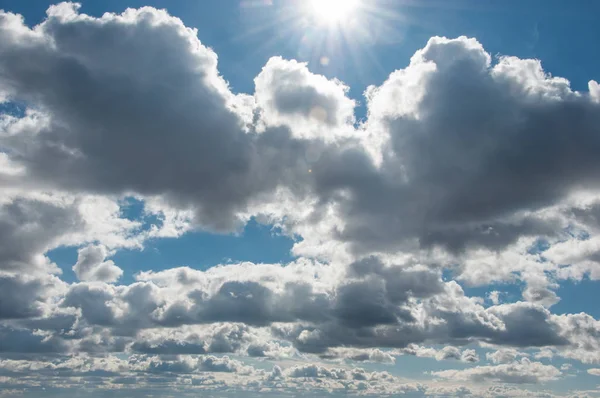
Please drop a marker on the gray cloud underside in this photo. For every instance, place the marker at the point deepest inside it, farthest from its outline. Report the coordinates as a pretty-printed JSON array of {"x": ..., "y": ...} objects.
[{"x": 462, "y": 151}]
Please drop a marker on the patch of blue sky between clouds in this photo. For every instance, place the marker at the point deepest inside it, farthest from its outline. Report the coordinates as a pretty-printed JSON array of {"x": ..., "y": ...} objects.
[
  {"x": 578, "y": 296},
  {"x": 11, "y": 108},
  {"x": 201, "y": 250}
]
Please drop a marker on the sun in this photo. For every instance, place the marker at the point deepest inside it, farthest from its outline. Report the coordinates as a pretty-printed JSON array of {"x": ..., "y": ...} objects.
[{"x": 333, "y": 11}]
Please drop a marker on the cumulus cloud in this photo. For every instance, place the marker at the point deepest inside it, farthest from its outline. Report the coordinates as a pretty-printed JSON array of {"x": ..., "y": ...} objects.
[
  {"x": 458, "y": 194},
  {"x": 257, "y": 295},
  {"x": 16, "y": 340},
  {"x": 320, "y": 318},
  {"x": 29, "y": 227},
  {"x": 279, "y": 140},
  {"x": 221, "y": 338},
  {"x": 494, "y": 297},
  {"x": 188, "y": 364},
  {"x": 91, "y": 266},
  {"x": 314, "y": 371},
  {"x": 271, "y": 311},
  {"x": 361, "y": 355},
  {"x": 582, "y": 332},
  {"x": 524, "y": 372},
  {"x": 310, "y": 105},
  {"x": 446, "y": 353},
  {"x": 23, "y": 297},
  {"x": 424, "y": 176},
  {"x": 125, "y": 71},
  {"x": 33, "y": 222},
  {"x": 594, "y": 88},
  {"x": 504, "y": 355}
]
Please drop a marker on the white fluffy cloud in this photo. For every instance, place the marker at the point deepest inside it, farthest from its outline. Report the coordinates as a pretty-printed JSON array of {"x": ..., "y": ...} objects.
[
  {"x": 91, "y": 265},
  {"x": 80, "y": 142},
  {"x": 35, "y": 222},
  {"x": 504, "y": 355},
  {"x": 445, "y": 194},
  {"x": 524, "y": 372},
  {"x": 310, "y": 105}
]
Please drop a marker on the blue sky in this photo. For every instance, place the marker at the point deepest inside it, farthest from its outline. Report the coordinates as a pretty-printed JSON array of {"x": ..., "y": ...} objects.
[{"x": 283, "y": 197}]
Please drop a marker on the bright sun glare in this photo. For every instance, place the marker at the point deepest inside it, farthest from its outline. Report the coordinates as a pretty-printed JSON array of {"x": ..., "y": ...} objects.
[{"x": 333, "y": 11}]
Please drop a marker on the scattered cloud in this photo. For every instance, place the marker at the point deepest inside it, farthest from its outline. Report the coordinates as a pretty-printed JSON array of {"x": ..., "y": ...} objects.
[
  {"x": 91, "y": 265},
  {"x": 524, "y": 372}
]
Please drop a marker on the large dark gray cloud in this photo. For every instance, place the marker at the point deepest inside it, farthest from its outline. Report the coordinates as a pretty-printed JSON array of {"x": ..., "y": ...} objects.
[
  {"x": 313, "y": 106},
  {"x": 460, "y": 151},
  {"x": 121, "y": 119},
  {"x": 259, "y": 309},
  {"x": 470, "y": 145},
  {"x": 91, "y": 265},
  {"x": 524, "y": 372},
  {"x": 19, "y": 298},
  {"x": 29, "y": 227},
  {"x": 26, "y": 341}
]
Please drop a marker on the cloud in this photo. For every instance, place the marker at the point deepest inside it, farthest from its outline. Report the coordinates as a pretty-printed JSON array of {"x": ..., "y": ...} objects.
[
  {"x": 361, "y": 355},
  {"x": 29, "y": 228},
  {"x": 504, "y": 355},
  {"x": 314, "y": 371},
  {"x": 594, "y": 88},
  {"x": 542, "y": 295},
  {"x": 91, "y": 266},
  {"x": 469, "y": 356},
  {"x": 24, "y": 297},
  {"x": 146, "y": 375},
  {"x": 582, "y": 332},
  {"x": 186, "y": 132},
  {"x": 594, "y": 372},
  {"x": 446, "y": 353},
  {"x": 24, "y": 341},
  {"x": 295, "y": 137},
  {"x": 494, "y": 297},
  {"x": 224, "y": 338},
  {"x": 34, "y": 222},
  {"x": 218, "y": 295},
  {"x": 185, "y": 364},
  {"x": 271, "y": 311},
  {"x": 310, "y": 105},
  {"x": 524, "y": 372},
  {"x": 423, "y": 174},
  {"x": 458, "y": 195}
]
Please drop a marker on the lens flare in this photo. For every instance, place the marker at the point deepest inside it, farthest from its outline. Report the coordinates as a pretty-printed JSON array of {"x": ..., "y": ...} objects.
[{"x": 333, "y": 11}]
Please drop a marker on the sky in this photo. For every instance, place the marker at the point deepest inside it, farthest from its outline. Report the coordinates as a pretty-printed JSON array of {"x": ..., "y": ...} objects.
[{"x": 248, "y": 198}]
